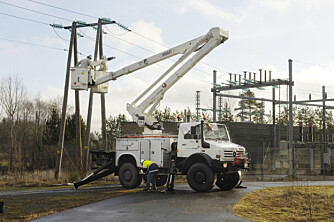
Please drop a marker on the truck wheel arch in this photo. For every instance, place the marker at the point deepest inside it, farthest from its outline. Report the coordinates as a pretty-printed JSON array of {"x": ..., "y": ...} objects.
[
  {"x": 196, "y": 158},
  {"x": 126, "y": 158}
]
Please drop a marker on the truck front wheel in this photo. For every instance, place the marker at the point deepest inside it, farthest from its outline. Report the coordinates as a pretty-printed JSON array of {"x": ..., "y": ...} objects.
[
  {"x": 227, "y": 181},
  {"x": 200, "y": 177},
  {"x": 129, "y": 176}
]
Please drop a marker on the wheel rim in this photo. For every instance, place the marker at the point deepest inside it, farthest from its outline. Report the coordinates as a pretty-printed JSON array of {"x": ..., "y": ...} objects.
[
  {"x": 127, "y": 175},
  {"x": 200, "y": 177}
]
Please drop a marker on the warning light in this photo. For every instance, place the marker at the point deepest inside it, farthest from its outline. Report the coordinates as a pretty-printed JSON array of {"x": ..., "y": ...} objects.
[
  {"x": 58, "y": 151},
  {"x": 204, "y": 117},
  {"x": 178, "y": 117}
]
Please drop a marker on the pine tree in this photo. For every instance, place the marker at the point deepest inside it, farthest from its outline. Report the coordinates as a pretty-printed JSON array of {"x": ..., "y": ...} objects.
[
  {"x": 248, "y": 107},
  {"x": 51, "y": 131},
  {"x": 227, "y": 115}
]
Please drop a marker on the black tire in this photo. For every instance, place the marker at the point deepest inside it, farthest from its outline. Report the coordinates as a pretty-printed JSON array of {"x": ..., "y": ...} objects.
[
  {"x": 227, "y": 181},
  {"x": 129, "y": 176},
  {"x": 200, "y": 177},
  {"x": 139, "y": 180},
  {"x": 161, "y": 180}
]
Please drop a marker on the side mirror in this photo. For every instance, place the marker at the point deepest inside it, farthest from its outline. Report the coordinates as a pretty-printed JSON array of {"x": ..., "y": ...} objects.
[{"x": 204, "y": 144}]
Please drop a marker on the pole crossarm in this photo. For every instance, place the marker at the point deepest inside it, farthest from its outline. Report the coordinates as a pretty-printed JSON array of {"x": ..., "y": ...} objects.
[
  {"x": 256, "y": 84},
  {"x": 80, "y": 25}
]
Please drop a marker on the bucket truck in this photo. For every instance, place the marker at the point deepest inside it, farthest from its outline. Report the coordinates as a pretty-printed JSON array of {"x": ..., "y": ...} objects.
[{"x": 203, "y": 151}]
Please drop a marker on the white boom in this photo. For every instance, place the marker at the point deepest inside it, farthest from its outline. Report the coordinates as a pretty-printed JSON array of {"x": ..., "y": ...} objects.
[{"x": 201, "y": 45}]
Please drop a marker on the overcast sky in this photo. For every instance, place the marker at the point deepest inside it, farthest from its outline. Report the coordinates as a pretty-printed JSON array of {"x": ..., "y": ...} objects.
[{"x": 263, "y": 34}]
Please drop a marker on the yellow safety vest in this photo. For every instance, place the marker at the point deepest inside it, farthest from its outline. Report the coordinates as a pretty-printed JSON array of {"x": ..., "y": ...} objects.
[{"x": 147, "y": 163}]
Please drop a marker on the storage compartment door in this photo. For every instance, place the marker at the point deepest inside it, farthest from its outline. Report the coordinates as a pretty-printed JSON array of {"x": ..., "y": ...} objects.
[
  {"x": 145, "y": 149},
  {"x": 156, "y": 152}
]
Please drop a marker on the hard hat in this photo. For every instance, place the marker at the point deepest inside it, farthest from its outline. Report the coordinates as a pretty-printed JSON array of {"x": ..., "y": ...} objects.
[
  {"x": 142, "y": 161},
  {"x": 89, "y": 57}
]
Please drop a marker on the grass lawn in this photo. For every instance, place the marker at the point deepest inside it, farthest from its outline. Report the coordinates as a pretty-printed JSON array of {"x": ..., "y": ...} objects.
[{"x": 295, "y": 203}]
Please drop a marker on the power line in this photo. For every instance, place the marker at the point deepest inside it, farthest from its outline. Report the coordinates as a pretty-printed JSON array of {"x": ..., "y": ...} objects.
[
  {"x": 313, "y": 64},
  {"x": 59, "y": 35},
  {"x": 31, "y": 20},
  {"x": 67, "y": 10},
  {"x": 38, "y": 45},
  {"x": 31, "y": 10},
  {"x": 129, "y": 42},
  {"x": 34, "y": 44}
]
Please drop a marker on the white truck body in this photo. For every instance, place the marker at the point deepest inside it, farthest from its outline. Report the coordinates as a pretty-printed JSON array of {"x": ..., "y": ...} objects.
[
  {"x": 148, "y": 148},
  {"x": 158, "y": 147}
]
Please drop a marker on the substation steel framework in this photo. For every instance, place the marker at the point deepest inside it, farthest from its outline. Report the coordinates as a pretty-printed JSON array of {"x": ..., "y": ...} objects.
[{"x": 251, "y": 82}]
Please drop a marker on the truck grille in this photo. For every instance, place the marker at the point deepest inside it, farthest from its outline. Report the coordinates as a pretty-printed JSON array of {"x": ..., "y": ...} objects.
[
  {"x": 228, "y": 153},
  {"x": 232, "y": 153}
]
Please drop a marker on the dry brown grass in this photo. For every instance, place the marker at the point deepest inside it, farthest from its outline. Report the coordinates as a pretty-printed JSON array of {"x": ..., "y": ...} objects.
[
  {"x": 40, "y": 178},
  {"x": 295, "y": 203}
]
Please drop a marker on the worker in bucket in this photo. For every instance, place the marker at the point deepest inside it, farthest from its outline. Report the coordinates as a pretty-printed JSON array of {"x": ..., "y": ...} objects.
[
  {"x": 86, "y": 62},
  {"x": 151, "y": 168}
]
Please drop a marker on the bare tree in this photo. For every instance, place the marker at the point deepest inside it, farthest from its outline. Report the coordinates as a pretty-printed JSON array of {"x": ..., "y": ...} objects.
[{"x": 12, "y": 97}]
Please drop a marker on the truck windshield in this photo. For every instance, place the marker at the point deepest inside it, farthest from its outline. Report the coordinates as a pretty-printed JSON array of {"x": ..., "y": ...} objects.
[{"x": 215, "y": 132}]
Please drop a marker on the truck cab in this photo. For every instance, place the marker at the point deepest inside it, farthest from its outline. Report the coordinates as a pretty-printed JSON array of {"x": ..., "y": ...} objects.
[{"x": 215, "y": 142}]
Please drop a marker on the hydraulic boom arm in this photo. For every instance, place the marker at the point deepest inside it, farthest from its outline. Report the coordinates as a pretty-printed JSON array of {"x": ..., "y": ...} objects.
[{"x": 202, "y": 46}]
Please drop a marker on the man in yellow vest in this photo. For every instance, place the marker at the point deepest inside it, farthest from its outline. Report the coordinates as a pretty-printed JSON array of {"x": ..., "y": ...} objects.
[{"x": 151, "y": 168}]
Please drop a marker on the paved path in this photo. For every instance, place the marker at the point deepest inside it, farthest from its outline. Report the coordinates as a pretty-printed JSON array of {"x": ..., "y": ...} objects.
[{"x": 183, "y": 205}]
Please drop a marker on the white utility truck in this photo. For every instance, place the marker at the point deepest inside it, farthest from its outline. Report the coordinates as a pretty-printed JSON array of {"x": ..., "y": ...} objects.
[{"x": 203, "y": 151}]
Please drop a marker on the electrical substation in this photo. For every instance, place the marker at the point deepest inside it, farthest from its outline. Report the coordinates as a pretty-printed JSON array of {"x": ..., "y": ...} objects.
[{"x": 277, "y": 149}]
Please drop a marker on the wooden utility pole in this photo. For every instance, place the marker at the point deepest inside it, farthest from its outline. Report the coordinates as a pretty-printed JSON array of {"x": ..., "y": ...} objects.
[
  {"x": 103, "y": 100},
  {"x": 60, "y": 147},
  {"x": 97, "y": 53},
  {"x": 78, "y": 143}
]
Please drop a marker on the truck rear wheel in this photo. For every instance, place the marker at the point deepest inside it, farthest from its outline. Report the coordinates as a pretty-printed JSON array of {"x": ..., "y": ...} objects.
[
  {"x": 129, "y": 176},
  {"x": 200, "y": 177},
  {"x": 227, "y": 181}
]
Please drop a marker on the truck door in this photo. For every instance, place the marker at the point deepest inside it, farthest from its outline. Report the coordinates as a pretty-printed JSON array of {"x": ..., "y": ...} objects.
[
  {"x": 144, "y": 149},
  {"x": 156, "y": 151}
]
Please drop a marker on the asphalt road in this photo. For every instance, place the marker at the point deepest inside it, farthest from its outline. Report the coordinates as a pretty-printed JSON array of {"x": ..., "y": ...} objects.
[{"x": 183, "y": 205}]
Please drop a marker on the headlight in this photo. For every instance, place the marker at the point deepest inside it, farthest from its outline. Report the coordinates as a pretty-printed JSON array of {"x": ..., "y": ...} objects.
[
  {"x": 246, "y": 165},
  {"x": 224, "y": 165}
]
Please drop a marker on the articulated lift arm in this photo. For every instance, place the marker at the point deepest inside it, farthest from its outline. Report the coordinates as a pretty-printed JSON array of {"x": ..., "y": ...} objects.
[
  {"x": 202, "y": 46},
  {"x": 141, "y": 113}
]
